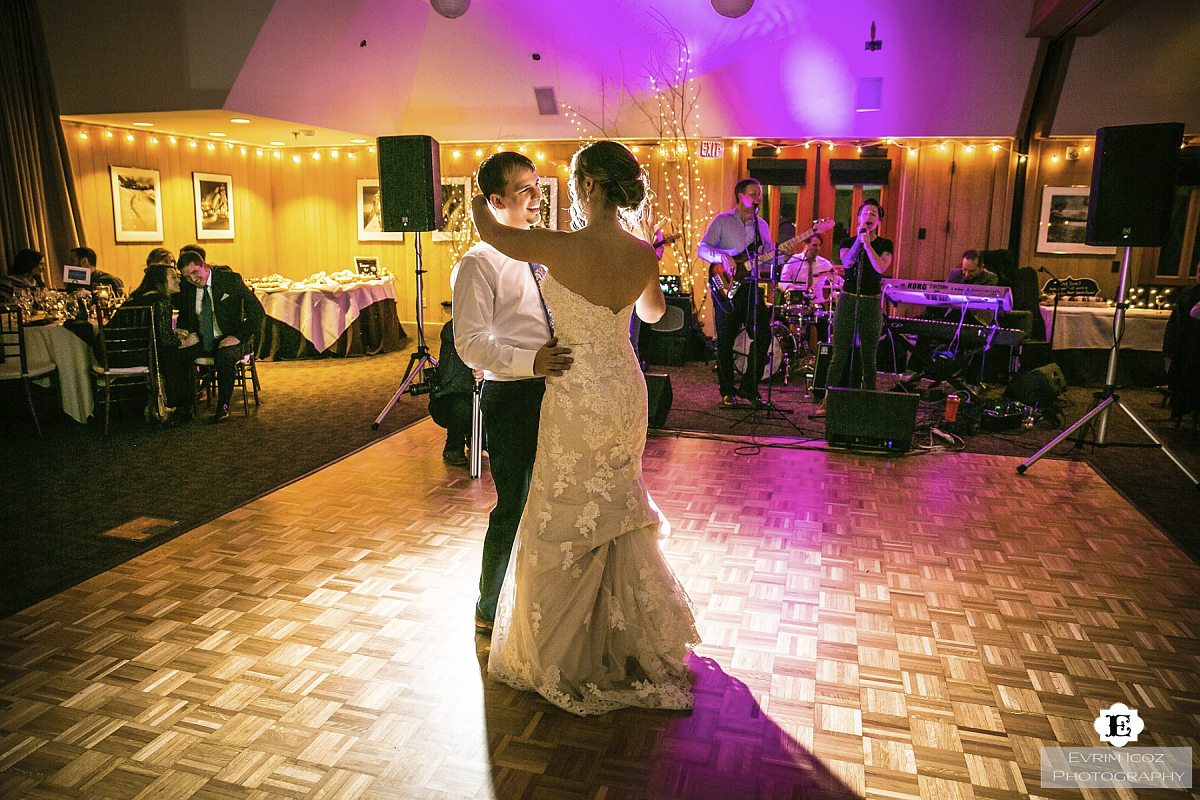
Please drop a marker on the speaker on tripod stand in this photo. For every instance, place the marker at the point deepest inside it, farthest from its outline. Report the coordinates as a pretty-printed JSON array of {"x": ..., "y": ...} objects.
[
  {"x": 410, "y": 186},
  {"x": 1133, "y": 183}
]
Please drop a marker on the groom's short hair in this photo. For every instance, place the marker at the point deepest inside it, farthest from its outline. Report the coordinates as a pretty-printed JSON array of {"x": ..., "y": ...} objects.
[{"x": 495, "y": 169}]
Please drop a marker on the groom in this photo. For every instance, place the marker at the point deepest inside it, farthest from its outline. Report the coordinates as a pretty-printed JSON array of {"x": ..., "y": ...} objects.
[{"x": 501, "y": 326}]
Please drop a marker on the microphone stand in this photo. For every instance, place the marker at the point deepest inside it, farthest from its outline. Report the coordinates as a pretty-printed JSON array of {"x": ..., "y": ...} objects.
[
  {"x": 752, "y": 321},
  {"x": 1054, "y": 313}
]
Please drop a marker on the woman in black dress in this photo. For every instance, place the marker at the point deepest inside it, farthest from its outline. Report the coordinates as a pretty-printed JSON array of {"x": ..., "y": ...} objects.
[{"x": 159, "y": 283}]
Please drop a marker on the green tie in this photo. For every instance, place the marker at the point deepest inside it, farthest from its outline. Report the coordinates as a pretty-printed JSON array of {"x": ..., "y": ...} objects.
[{"x": 206, "y": 320}]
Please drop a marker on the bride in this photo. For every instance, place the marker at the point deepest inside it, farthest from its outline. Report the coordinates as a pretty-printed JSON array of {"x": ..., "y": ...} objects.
[{"x": 591, "y": 616}]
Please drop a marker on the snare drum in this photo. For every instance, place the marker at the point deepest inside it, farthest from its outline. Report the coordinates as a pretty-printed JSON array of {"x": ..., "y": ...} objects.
[{"x": 782, "y": 352}]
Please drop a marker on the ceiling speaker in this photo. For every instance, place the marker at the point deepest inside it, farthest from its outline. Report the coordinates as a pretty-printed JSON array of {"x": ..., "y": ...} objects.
[{"x": 546, "y": 102}]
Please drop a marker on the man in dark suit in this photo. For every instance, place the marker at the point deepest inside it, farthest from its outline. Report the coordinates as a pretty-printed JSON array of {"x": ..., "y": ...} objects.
[{"x": 218, "y": 306}]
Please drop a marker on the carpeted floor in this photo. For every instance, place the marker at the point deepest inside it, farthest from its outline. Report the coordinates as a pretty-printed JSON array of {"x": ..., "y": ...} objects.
[{"x": 69, "y": 487}]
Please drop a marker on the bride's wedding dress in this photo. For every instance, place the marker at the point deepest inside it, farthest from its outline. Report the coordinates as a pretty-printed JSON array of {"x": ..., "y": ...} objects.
[{"x": 591, "y": 616}]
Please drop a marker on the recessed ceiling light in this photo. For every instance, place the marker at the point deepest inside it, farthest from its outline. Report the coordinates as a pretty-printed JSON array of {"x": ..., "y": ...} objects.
[
  {"x": 240, "y": 120},
  {"x": 218, "y": 134},
  {"x": 144, "y": 124},
  {"x": 278, "y": 144},
  {"x": 358, "y": 141}
]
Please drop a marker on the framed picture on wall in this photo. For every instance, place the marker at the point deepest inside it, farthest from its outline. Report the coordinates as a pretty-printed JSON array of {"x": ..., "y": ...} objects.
[
  {"x": 549, "y": 187},
  {"x": 1063, "y": 221},
  {"x": 370, "y": 214},
  {"x": 456, "y": 193},
  {"x": 366, "y": 265},
  {"x": 214, "y": 205},
  {"x": 137, "y": 207}
]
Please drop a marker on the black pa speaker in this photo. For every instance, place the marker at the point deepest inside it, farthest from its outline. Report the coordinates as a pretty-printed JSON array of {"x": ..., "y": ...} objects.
[
  {"x": 1133, "y": 184},
  {"x": 410, "y": 182},
  {"x": 660, "y": 396},
  {"x": 866, "y": 420}
]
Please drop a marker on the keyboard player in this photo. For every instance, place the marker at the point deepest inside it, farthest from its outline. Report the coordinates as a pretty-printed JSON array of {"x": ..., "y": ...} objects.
[{"x": 972, "y": 272}]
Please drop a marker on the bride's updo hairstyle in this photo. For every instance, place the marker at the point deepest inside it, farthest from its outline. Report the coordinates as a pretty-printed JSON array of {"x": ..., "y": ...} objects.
[{"x": 618, "y": 177}]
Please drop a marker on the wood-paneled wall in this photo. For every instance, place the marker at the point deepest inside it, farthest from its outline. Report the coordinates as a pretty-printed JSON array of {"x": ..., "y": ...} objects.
[
  {"x": 299, "y": 218},
  {"x": 1048, "y": 166}
]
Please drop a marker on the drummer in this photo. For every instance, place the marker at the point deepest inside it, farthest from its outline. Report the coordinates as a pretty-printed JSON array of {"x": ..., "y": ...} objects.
[{"x": 806, "y": 266}]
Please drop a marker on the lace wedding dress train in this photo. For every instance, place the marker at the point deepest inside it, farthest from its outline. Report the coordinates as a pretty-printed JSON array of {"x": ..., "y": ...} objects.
[{"x": 591, "y": 616}]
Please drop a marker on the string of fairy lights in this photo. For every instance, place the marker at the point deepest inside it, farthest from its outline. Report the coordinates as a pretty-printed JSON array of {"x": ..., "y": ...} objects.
[{"x": 682, "y": 202}]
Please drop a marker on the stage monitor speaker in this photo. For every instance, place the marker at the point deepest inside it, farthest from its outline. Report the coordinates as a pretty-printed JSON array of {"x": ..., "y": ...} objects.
[
  {"x": 1133, "y": 184},
  {"x": 778, "y": 171},
  {"x": 864, "y": 420},
  {"x": 410, "y": 183},
  {"x": 821, "y": 370},
  {"x": 659, "y": 395}
]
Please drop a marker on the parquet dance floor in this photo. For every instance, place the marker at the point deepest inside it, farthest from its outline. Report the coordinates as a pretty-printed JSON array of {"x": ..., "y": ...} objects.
[{"x": 906, "y": 628}]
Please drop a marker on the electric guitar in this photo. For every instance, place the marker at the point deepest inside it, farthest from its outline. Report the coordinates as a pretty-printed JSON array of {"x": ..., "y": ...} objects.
[{"x": 743, "y": 270}]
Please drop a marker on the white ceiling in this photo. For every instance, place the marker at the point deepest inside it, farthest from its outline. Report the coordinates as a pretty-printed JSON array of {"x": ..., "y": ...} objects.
[{"x": 785, "y": 70}]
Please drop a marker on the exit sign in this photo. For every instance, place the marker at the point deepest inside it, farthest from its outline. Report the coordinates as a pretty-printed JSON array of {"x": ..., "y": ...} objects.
[{"x": 711, "y": 149}]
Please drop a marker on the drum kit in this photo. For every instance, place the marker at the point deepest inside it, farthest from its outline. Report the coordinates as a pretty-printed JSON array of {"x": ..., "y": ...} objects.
[{"x": 801, "y": 322}]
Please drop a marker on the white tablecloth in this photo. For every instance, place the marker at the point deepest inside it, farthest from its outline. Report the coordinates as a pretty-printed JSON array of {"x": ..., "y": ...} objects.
[
  {"x": 54, "y": 344},
  {"x": 322, "y": 315},
  {"x": 1084, "y": 327}
]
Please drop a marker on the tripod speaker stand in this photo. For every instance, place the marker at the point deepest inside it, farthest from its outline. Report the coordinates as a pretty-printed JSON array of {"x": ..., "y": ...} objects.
[
  {"x": 1133, "y": 178},
  {"x": 410, "y": 187},
  {"x": 414, "y": 374}
]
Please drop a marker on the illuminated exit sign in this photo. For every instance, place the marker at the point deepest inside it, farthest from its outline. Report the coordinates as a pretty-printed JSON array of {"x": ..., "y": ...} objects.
[{"x": 711, "y": 149}]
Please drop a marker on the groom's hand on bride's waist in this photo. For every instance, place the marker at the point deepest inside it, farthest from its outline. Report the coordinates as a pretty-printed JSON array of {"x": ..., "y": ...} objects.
[{"x": 552, "y": 359}]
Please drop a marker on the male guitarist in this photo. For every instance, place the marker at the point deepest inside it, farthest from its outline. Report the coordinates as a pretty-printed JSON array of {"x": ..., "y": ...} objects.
[
  {"x": 729, "y": 236},
  {"x": 737, "y": 303}
]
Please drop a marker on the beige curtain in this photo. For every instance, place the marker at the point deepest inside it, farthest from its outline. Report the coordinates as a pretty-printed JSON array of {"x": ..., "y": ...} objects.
[{"x": 38, "y": 207}]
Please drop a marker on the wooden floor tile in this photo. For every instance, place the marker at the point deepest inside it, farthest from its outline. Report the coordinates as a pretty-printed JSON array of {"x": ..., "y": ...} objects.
[{"x": 915, "y": 627}]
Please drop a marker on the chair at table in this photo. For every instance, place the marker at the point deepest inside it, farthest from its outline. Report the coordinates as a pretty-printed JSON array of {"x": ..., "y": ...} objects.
[
  {"x": 14, "y": 359},
  {"x": 123, "y": 353},
  {"x": 244, "y": 371}
]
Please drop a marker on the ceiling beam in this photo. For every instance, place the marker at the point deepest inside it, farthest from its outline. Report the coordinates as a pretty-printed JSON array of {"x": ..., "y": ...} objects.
[{"x": 1054, "y": 19}]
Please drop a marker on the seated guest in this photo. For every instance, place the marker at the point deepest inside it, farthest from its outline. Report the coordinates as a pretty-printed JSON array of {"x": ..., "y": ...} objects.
[
  {"x": 160, "y": 255},
  {"x": 86, "y": 257},
  {"x": 450, "y": 400},
  {"x": 1181, "y": 348},
  {"x": 159, "y": 284},
  {"x": 217, "y": 305},
  {"x": 24, "y": 274}
]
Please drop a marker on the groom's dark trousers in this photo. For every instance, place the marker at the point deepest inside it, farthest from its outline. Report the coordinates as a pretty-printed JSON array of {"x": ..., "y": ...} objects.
[{"x": 510, "y": 422}]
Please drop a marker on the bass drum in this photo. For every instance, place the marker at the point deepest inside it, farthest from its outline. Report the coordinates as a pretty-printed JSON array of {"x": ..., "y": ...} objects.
[{"x": 783, "y": 352}]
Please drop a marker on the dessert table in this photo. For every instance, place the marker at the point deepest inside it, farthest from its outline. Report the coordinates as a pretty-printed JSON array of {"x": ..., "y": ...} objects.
[
  {"x": 310, "y": 321},
  {"x": 1083, "y": 336},
  {"x": 55, "y": 344}
]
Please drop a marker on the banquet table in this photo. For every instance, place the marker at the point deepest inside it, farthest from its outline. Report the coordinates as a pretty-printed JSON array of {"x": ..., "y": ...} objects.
[
  {"x": 55, "y": 344},
  {"x": 1083, "y": 336},
  {"x": 314, "y": 321}
]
